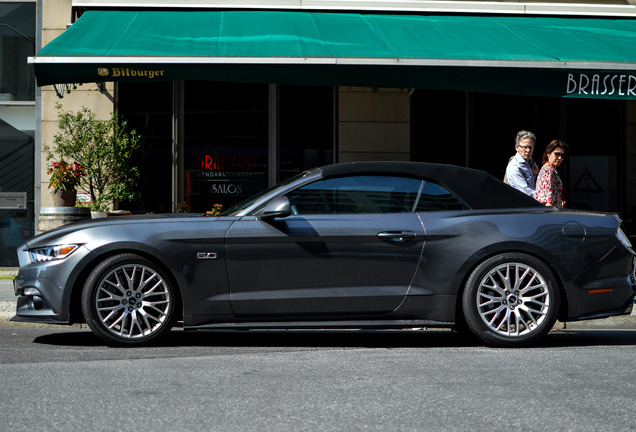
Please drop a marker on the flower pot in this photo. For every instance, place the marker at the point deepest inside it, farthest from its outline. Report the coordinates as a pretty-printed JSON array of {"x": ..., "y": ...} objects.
[
  {"x": 53, "y": 217},
  {"x": 118, "y": 213},
  {"x": 64, "y": 198}
]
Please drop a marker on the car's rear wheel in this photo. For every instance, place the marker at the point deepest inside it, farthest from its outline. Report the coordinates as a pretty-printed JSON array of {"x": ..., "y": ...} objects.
[
  {"x": 128, "y": 300},
  {"x": 511, "y": 300}
]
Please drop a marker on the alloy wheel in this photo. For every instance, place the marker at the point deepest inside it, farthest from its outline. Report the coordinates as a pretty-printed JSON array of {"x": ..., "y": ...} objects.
[
  {"x": 132, "y": 301},
  {"x": 513, "y": 299}
]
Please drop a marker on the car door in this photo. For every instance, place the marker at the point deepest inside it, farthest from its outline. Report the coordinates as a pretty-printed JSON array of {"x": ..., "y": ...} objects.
[{"x": 351, "y": 246}]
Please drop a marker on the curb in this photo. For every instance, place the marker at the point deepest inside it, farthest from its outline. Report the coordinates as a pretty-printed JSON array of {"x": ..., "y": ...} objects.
[{"x": 623, "y": 322}]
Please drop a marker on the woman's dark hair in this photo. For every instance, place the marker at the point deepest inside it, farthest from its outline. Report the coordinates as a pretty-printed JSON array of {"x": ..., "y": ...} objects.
[{"x": 554, "y": 144}]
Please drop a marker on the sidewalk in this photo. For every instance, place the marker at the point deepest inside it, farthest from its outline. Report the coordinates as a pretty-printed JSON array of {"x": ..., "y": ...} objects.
[
  {"x": 7, "y": 300},
  {"x": 6, "y": 285},
  {"x": 626, "y": 322}
]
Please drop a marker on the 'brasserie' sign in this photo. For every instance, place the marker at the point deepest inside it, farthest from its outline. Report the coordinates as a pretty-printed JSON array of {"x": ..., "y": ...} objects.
[{"x": 601, "y": 84}]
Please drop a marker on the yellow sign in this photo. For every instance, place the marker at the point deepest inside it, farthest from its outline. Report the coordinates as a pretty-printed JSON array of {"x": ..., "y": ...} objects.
[{"x": 128, "y": 72}]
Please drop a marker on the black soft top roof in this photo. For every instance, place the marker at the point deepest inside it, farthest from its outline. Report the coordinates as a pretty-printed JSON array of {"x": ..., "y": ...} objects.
[{"x": 478, "y": 189}]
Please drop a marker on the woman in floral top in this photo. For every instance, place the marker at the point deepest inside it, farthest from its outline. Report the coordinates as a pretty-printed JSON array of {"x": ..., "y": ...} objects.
[{"x": 549, "y": 185}]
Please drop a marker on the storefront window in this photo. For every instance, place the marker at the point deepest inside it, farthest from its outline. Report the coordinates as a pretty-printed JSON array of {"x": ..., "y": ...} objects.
[
  {"x": 478, "y": 130},
  {"x": 16, "y": 191},
  {"x": 306, "y": 128},
  {"x": 148, "y": 110},
  {"x": 226, "y": 142},
  {"x": 17, "y": 127}
]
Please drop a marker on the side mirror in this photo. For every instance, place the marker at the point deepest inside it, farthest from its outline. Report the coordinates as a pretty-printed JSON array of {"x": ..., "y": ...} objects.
[{"x": 278, "y": 207}]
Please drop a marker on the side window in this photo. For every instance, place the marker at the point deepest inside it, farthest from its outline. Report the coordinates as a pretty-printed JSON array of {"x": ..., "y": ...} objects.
[
  {"x": 356, "y": 194},
  {"x": 436, "y": 198}
]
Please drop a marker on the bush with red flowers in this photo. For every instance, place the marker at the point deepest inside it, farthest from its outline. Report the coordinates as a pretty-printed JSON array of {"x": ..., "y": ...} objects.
[{"x": 64, "y": 175}]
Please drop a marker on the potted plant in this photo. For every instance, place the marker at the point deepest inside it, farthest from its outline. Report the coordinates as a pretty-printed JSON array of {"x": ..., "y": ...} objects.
[
  {"x": 105, "y": 150},
  {"x": 65, "y": 177},
  {"x": 183, "y": 207},
  {"x": 217, "y": 209}
]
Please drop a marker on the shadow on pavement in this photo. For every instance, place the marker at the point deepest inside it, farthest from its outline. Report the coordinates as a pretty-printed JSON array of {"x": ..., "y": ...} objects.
[{"x": 343, "y": 339}]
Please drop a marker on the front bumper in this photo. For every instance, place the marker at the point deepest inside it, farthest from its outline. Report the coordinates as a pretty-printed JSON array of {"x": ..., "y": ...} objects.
[
  {"x": 33, "y": 308},
  {"x": 44, "y": 289}
]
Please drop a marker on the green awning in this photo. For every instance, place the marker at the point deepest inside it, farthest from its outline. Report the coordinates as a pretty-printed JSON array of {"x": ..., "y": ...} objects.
[{"x": 535, "y": 55}]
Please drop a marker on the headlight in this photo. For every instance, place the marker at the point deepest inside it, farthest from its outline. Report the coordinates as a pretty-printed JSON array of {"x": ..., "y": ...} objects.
[
  {"x": 50, "y": 253},
  {"x": 623, "y": 238}
]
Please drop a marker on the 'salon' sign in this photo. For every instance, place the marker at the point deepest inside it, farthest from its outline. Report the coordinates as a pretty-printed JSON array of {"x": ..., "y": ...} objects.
[{"x": 602, "y": 84}]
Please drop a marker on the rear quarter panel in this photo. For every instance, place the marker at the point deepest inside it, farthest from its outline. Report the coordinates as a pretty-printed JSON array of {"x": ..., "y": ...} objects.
[{"x": 456, "y": 242}]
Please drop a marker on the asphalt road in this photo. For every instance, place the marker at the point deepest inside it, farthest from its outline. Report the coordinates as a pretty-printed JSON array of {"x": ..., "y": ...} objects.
[{"x": 65, "y": 380}]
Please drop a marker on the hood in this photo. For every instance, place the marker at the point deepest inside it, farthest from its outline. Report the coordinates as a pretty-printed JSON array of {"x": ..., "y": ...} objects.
[{"x": 49, "y": 236}]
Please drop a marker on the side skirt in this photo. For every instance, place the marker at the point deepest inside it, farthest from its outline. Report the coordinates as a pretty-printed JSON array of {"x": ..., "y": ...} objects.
[{"x": 281, "y": 325}]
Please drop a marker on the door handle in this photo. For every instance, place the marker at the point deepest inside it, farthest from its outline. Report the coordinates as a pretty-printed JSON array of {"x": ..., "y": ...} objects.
[{"x": 396, "y": 236}]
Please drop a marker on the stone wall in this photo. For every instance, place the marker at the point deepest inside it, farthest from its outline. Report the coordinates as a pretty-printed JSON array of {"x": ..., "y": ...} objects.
[
  {"x": 374, "y": 124},
  {"x": 56, "y": 14}
]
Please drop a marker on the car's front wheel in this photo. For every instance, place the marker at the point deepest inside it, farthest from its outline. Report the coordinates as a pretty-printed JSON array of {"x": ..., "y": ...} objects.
[
  {"x": 128, "y": 300},
  {"x": 511, "y": 300}
]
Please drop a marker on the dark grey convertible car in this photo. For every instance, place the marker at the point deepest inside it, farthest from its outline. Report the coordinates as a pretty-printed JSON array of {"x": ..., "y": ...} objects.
[{"x": 355, "y": 245}]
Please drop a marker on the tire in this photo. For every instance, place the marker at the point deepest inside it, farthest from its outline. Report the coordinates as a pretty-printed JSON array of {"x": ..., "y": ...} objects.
[
  {"x": 511, "y": 300},
  {"x": 128, "y": 301}
]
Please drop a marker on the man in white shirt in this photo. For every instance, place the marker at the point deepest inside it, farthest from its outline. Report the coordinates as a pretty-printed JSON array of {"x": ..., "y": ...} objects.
[{"x": 521, "y": 172}]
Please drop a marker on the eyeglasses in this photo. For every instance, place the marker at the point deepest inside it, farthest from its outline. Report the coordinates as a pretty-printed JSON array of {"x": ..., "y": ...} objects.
[
  {"x": 527, "y": 148},
  {"x": 559, "y": 155}
]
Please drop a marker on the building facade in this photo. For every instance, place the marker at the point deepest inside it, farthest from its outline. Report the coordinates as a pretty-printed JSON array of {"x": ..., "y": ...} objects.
[
  {"x": 17, "y": 125},
  {"x": 218, "y": 127}
]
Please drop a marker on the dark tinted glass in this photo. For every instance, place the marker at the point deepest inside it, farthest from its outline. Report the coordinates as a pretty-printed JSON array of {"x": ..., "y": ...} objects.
[
  {"x": 17, "y": 42},
  {"x": 358, "y": 194},
  {"x": 304, "y": 109},
  {"x": 148, "y": 109},
  {"x": 436, "y": 198}
]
